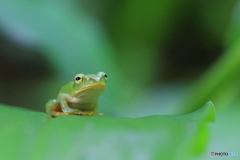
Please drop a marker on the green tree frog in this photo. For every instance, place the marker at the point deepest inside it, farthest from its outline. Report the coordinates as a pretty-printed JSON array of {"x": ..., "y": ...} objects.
[{"x": 79, "y": 96}]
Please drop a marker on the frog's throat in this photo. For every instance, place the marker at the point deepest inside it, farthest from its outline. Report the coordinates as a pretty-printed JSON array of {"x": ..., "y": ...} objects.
[{"x": 92, "y": 86}]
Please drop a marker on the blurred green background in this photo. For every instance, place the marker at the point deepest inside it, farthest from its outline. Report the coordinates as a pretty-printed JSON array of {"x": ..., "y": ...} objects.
[{"x": 162, "y": 57}]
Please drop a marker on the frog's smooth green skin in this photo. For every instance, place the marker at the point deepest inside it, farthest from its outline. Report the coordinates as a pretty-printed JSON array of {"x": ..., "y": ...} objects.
[{"x": 79, "y": 96}]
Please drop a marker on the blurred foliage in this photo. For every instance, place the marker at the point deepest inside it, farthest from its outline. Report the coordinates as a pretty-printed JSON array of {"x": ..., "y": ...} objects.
[{"x": 161, "y": 57}]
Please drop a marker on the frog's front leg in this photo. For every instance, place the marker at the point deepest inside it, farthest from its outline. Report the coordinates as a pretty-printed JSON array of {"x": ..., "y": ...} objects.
[
  {"x": 64, "y": 98},
  {"x": 54, "y": 108}
]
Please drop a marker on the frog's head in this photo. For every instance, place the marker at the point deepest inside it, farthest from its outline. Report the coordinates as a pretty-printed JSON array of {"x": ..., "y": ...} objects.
[{"x": 91, "y": 85}]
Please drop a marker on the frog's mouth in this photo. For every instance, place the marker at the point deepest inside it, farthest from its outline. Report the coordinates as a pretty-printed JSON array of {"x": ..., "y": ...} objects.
[{"x": 96, "y": 89}]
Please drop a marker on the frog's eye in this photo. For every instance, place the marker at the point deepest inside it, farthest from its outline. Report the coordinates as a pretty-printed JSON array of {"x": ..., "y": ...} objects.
[
  {"x": 105, "y": 76},
  {"x": 78, "y": 79}
]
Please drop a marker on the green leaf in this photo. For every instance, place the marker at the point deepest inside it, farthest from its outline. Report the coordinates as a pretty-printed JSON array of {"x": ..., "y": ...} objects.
[
  {"x": 225, "y": 133},
  {"x": 27, "y": 134},
  {"x": 19, "y": 130}
]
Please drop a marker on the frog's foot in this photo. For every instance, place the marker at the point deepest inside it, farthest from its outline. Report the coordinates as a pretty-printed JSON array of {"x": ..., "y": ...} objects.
[
  {"x": 85, "y": 113},
  {"x": 55, "y": 110},
  {"x": 89, "y": 113},
  {"x": 55, "y": 114}
]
